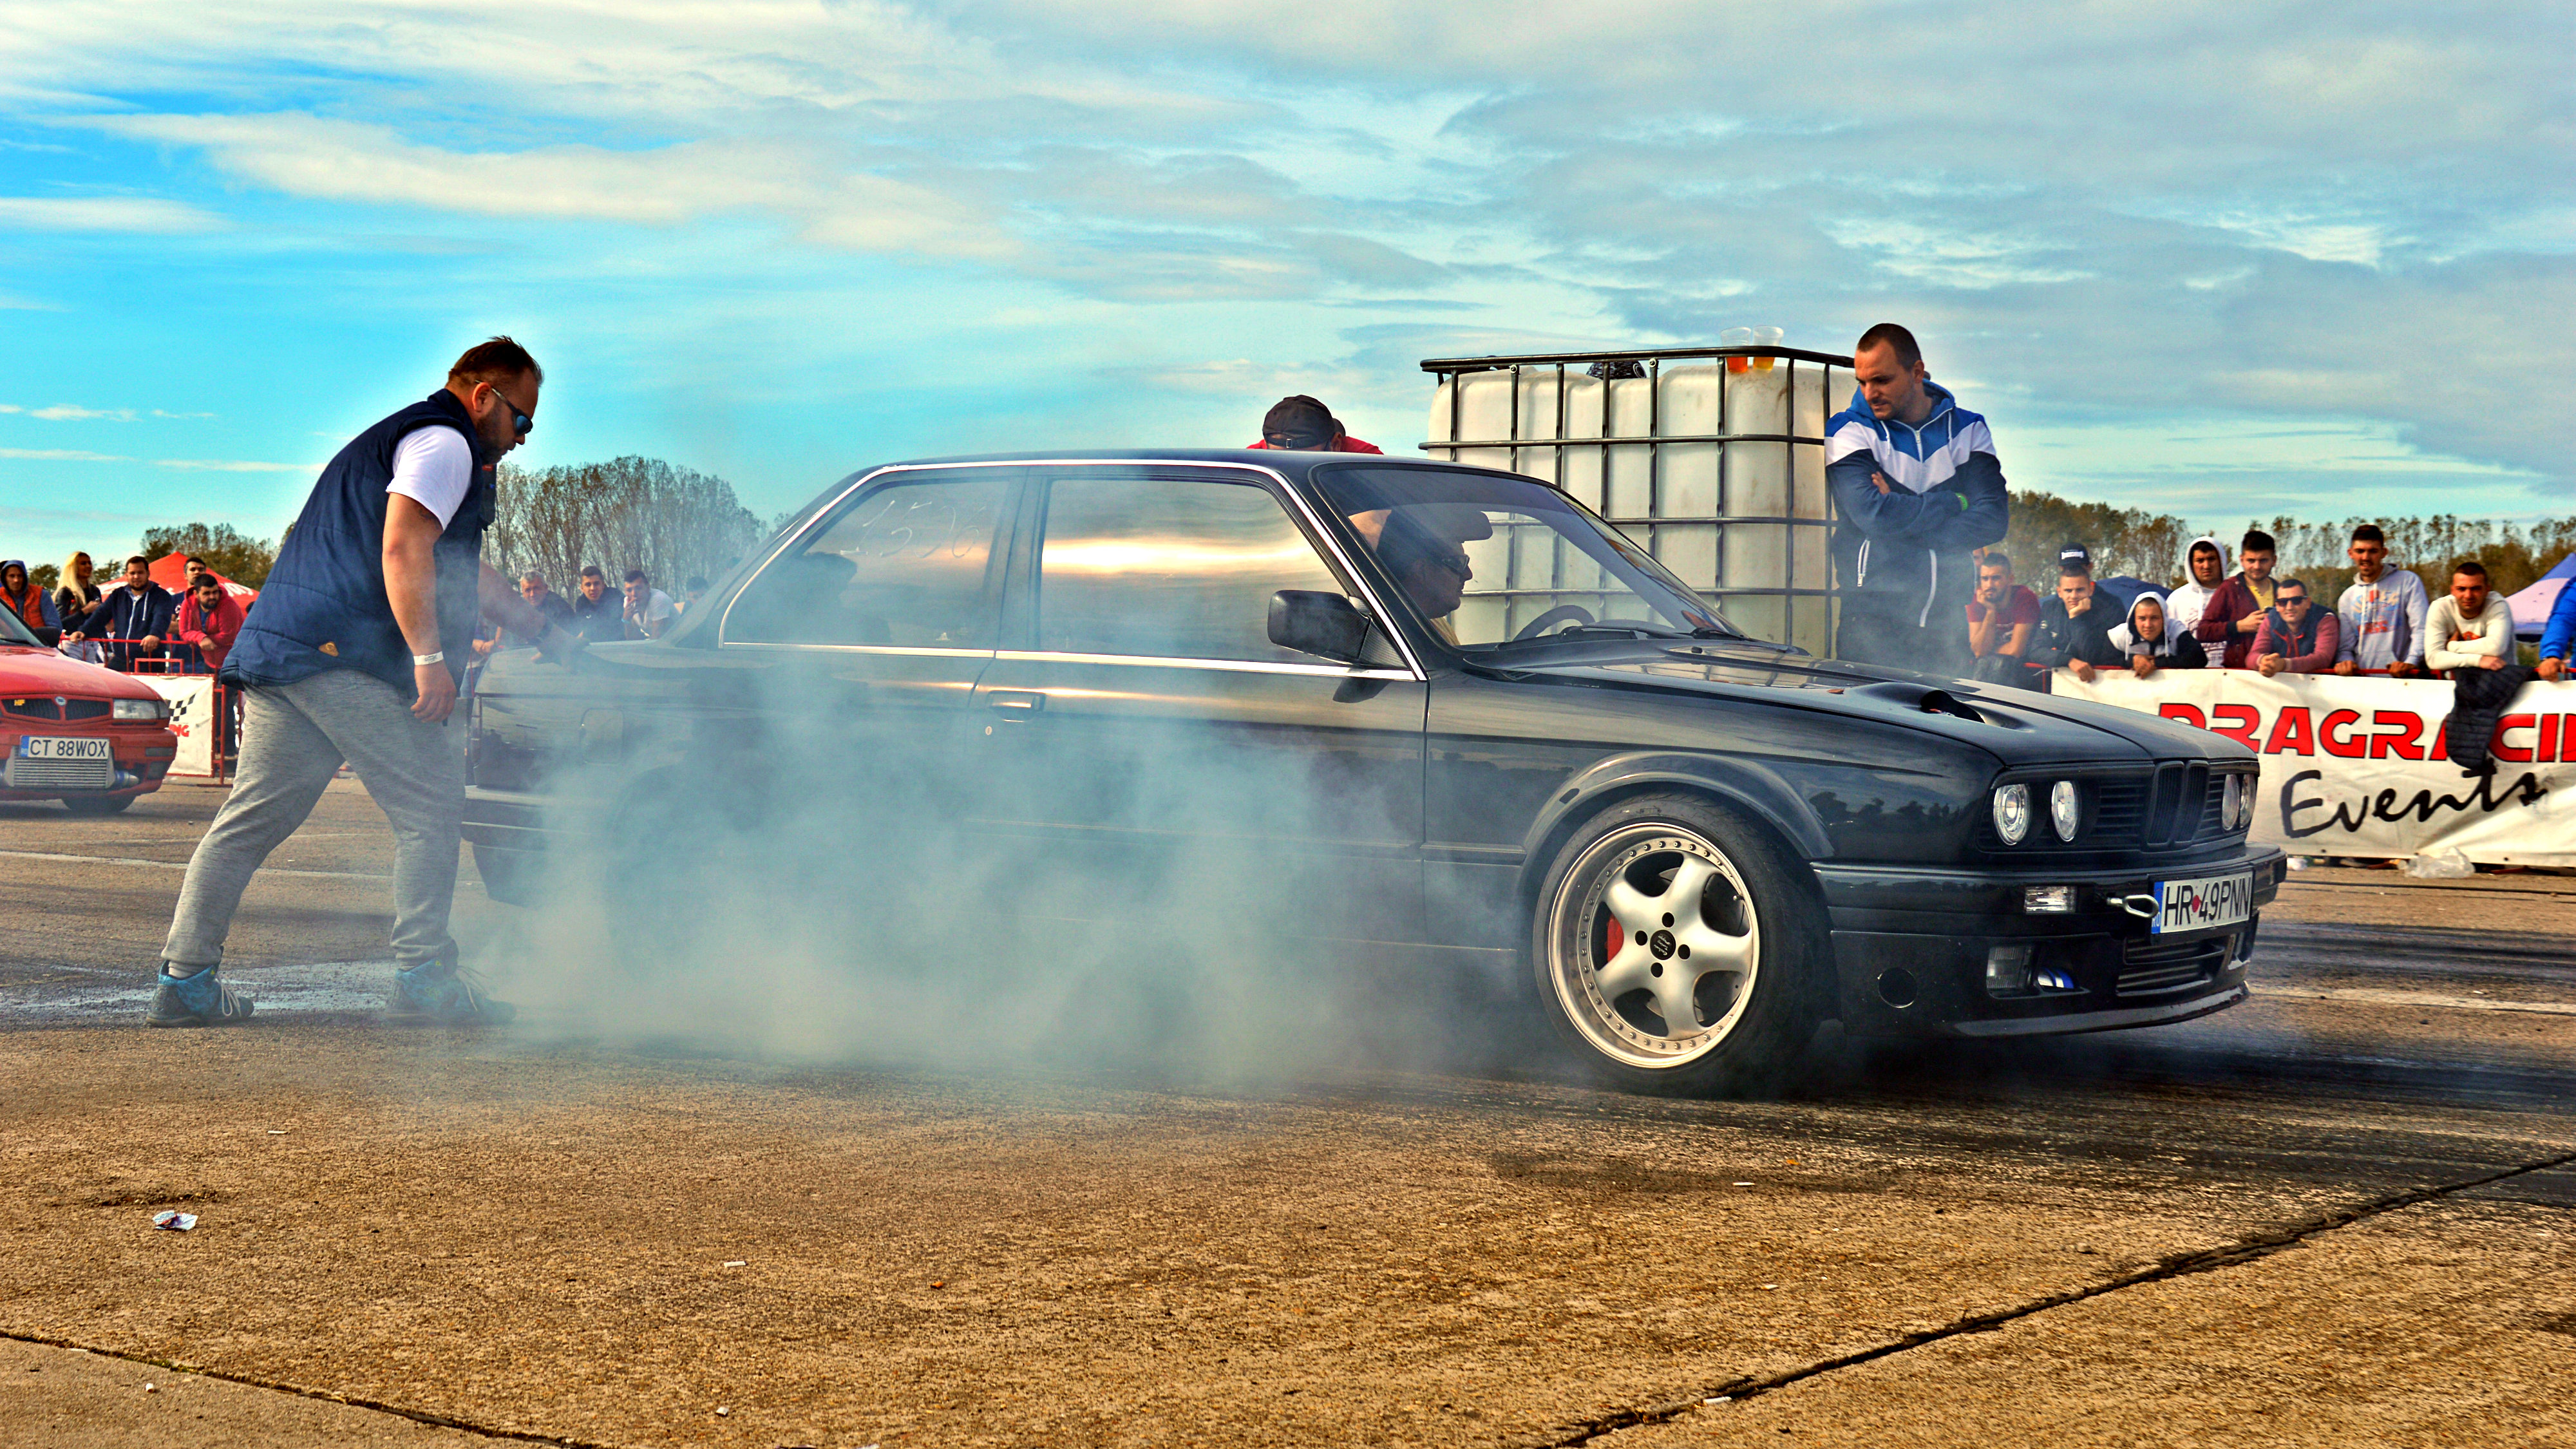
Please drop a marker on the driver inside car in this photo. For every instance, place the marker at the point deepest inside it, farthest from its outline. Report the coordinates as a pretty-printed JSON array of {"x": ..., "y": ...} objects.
[{"x": 1423, "y": 548}]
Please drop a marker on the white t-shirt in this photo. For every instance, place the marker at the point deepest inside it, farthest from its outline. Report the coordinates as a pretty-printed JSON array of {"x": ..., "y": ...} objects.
[
  {"x": 652, "y": 614},
  {"x": 433, "y": 466}
]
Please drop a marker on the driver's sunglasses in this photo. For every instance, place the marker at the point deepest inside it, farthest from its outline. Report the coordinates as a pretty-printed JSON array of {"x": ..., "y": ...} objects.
[
  {"x": 519, "y": 421},
  {"x": 1455, "y": 563}
]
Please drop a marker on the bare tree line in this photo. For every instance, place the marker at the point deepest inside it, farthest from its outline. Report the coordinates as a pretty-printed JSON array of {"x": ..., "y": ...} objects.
[{"x": 626, "y": 513}]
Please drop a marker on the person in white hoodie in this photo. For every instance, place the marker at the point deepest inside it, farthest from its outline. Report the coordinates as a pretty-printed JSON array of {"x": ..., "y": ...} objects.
[
  {"x": 2383, "y": 613},
  {"x": 2206, "y": 562}
]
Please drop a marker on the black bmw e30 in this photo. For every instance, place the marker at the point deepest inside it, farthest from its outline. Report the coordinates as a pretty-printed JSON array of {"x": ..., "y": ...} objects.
[{"x": 1494, "y": 723}]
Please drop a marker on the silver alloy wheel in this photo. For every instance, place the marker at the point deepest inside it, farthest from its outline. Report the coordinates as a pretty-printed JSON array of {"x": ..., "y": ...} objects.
[{"x": 1687, "y": 953}]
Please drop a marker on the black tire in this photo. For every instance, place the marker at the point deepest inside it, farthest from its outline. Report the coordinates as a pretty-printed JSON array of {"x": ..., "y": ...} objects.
[
  {"x": 96, "y": 805},
  {"x": 509, "y": 876},
  {"x": 1745, "y": 904}
]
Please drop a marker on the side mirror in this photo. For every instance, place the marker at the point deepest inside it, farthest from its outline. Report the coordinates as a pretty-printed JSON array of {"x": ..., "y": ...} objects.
[
  {"x": 48, "y": 637},
  {"x": 1313, "y": 622}
]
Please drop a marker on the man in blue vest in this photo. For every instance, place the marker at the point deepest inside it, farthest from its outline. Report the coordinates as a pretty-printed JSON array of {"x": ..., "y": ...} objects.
[{"x": 354, "y": 651}]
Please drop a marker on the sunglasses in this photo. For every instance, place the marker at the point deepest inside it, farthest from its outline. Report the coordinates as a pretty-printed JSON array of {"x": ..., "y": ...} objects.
[
  {"x": 519, "y": 421},
  {"x": 2288, "y": 599},
  {"x": 1298, "y": 442}
]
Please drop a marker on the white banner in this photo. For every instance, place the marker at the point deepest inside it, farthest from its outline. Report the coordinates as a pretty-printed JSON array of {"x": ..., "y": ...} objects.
[
  {"x": 192, "y": 718},
  {"x": 2356, "y": 766}
]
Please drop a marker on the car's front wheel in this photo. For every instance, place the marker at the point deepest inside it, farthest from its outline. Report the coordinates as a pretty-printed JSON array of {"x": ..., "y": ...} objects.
[
  {"x": 96, "y": 804},
  {"x": 1678, "y": 949}
]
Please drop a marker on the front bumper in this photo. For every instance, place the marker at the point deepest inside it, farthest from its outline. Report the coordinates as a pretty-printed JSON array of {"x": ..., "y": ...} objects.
[{"x": 1911, "y": 949}]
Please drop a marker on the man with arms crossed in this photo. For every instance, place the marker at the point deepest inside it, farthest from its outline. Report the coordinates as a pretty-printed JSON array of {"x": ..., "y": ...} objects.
[
  {"x": 1915, "y": 479},
  {"x": 354, "y": 653}
]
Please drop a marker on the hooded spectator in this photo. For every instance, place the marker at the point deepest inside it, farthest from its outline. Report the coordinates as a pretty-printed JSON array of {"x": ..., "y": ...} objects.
[
  {"x": 2295, "y": 637},
  {"x": 210, "y": 618},
  {"x": 1302, "y": 424},
  {"x": 2151, "y": 642},
  {"x": 2382, "y": 614},
  {"x": 2204, "y": 569},
  {"x": 2236, "y": 608},
  {"x": 20, "y": 596},
  {"x": 131, "y": 622}
]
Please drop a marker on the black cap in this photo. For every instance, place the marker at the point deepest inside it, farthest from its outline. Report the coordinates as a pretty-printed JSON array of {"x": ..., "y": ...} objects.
[
  {"x": 2075, "y": 553},
  {"x": 1299, "y": 416}
]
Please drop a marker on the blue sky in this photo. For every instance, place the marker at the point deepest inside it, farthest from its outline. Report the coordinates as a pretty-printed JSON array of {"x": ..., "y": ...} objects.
[{"x": 2226, "y": 260}]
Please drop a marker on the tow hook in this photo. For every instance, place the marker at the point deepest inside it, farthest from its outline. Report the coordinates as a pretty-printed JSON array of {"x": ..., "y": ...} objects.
[{"x": 2144, "y": 907}]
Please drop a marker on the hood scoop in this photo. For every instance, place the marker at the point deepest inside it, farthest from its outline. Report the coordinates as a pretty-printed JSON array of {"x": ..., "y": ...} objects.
[{"x": 1930, "y": 699}]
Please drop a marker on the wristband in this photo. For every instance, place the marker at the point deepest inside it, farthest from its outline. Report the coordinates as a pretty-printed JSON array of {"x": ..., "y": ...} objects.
[{"x": 423, "y": 661}]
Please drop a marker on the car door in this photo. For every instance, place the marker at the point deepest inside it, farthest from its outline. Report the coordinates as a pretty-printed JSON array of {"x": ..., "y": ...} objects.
[
  {"x": 1147, "y": 735},
  {"x": 863, "y": 639}
]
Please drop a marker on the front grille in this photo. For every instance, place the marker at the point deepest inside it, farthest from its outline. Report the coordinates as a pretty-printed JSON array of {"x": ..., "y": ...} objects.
[
  {"x": 58, "y": 774},
  {"x": 44, "y": 708},
  {"x": 2149, "y": 967}
]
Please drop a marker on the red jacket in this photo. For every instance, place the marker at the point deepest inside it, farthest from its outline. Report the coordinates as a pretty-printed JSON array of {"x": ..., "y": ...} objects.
[
  {"x": 1345, "y": 444},
  {"x": 213, "y": 636},
  {"x": 2231, "y": 601}
]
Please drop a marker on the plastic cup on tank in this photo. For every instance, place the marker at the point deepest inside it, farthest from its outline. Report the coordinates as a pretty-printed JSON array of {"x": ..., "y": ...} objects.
[
  {"x": 1765, "y": 337},
  {"x": 1736, "y": 337}
]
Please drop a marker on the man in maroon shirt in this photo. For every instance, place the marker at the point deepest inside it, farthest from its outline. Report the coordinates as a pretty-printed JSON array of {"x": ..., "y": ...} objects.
[
  {"x": 211, "y": 619},
  {"x": 1305, "y": 425},
  {"x": 2235, "y": 611},
  {"x": 2001, "y": 619}
]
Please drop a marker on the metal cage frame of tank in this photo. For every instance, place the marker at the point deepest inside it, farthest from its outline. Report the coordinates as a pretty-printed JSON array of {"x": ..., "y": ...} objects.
[{"x": 1449, "y": 372}]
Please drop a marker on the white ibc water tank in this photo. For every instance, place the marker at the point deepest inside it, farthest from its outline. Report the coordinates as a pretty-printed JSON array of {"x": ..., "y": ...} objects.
[{"x": 1674, "y": 496}]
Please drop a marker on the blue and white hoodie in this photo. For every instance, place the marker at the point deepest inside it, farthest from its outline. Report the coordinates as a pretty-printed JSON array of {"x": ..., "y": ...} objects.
[{"x": 1908, "y": 547}]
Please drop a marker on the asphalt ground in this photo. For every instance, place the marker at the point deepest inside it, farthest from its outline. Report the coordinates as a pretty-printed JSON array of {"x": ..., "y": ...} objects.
[{"x": 2344, "y": 1212}]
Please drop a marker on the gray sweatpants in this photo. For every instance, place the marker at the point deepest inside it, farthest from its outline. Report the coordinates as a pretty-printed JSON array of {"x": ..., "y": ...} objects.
[{"x": 294, "y": 737}]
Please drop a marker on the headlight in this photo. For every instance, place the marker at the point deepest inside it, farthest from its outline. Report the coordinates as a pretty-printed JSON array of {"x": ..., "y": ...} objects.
[
  {"x": 141, "y": 709},
  {"x": 2232, "y": 802},
  {"x": 2012, "y": 812},
  {"x": 2065, "y": 809}
]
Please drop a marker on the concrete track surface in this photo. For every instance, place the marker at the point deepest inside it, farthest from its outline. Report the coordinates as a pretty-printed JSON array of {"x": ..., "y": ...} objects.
[{"x": 2344, "y": 1213}]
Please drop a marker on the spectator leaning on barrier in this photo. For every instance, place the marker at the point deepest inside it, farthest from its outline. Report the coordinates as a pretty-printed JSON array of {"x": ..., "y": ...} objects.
[
  {"x": 2205, "y": 565},
  {"x": 647, "y": 611},
  {"x": 690, "y": 592},
  {"x": 2002, "y": 619},
  {"x": 2558, "y": 640},
  {"x": 2382, "y": 613},
  {"x": 209, "y": 619},
  {"x": 2076, "y": 636},
  {"x": 1302, "y": 424},
  {"x": 2468, "y": 634},
  {"x": 2295, "y": 637},
  {"x": 594, "y": 618},
  {"x": 196, "y": 569},
  {"x": 2469, "y": 628},
  {"x": 2151, "y": 642},
  {"x": 550, "y": 607},
  {"x": 2235, "y": 609},
  {"x": 1916, "y": 481},
  {"x": 20, "y": 596},
  {"x": 355, "y": 652},
  {"x": 131, "y": 622}
]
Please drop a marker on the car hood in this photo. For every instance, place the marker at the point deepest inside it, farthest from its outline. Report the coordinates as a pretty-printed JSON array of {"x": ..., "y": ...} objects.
[
  {"x": 42, "y": 671},
  {"x": 2018, "y": 726}
]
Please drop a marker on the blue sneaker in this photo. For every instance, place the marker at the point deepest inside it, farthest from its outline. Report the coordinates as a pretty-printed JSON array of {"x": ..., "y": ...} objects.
[
  {"x": 199, "y": 1000},
  {"x": 439, "y": 992}
]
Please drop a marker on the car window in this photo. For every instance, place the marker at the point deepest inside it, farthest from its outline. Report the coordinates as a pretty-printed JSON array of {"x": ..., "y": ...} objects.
[
  {"x": 906, "y": 563},
  {"x": 1172, "y": 568}
]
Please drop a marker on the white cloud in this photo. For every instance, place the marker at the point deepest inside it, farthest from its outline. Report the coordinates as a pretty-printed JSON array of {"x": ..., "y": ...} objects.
[
  {"x": 66, "y": 412},
  {"x": 140, "y": 215},
  {"x": 158, "y": 413},
  {"x": 60, "y": 455}
]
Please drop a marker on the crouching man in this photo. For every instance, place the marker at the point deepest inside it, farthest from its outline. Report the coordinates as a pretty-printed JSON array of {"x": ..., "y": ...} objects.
[{"x": 355, "y": 652}]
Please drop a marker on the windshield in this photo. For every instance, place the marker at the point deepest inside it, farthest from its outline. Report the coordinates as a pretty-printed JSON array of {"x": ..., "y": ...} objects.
[
  {"x": 1489, "y": 561},
  {"x": 14, "y": 631}
]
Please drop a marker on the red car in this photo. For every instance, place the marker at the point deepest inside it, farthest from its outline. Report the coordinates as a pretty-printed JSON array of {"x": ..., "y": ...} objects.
[{"x": 79, "y": 733}]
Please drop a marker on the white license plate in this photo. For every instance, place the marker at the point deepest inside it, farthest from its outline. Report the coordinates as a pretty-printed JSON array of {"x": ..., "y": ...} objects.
[
  {"x": 2202, "y": 903},
  {"x": 50, "y": 747}
]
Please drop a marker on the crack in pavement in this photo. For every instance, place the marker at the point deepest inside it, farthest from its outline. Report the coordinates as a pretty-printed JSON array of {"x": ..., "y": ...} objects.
[
  {"x": 319, "y": 1396},
  {"x": 2209, "y": 1260}
]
